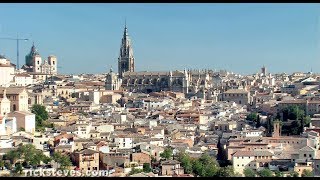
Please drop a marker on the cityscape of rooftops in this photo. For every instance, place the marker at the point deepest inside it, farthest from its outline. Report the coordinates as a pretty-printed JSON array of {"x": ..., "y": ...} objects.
[{"x": 159, "y": 90}]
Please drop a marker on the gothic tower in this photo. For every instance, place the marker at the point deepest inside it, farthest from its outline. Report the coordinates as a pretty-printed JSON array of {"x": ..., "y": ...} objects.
[{"x": 126, "y": 59}]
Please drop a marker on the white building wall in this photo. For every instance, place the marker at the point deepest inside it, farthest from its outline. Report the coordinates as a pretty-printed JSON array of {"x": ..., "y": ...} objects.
[
  {"x": 240, "y": 163},
  {"x": 23, "y": 80},
  {"x": 6, "y": 74},
  {"x": 3, "y": 127},
  {"x": 105, "y": 128},
  {"x": 4, "y": 106},
  {"x": 11, "y": 126},
  {"x": 30, "y": 123},
  {"x": 6, "y": 143},
  {"x": 94, "y": 96},
  {"x": 123, "y": 143}
]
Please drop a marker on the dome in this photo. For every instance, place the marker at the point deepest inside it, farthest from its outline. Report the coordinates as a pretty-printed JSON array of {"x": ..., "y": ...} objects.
[{"x": 34, "y": 51}]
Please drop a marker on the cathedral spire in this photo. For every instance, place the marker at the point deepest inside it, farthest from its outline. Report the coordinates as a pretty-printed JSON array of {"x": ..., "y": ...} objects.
[
  {"x": 126, "y": 59},
  {"x": 125, "y": 33}
]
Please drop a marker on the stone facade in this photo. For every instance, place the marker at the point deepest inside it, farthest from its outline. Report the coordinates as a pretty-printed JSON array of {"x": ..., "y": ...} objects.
[
  {"x": 198, "y": 82},
  {"x": 34, "y": 63},
  {"x": 126, "y": 59}
]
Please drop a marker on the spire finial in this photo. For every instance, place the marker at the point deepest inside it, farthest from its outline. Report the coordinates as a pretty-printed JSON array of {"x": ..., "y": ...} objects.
[{"x": 125, "y": 22}]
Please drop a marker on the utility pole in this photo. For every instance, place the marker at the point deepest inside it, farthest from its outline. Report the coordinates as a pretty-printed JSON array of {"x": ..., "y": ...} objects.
[{"x": 17, "y": 39}]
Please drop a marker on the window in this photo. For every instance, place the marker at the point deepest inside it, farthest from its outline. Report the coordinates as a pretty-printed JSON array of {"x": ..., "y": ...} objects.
[
  {"x": 305, "y": 155},
  {"x": 238, "y": 165},
  {"x": 242, "y": 164},
  {"x": 310, "y": 155}
]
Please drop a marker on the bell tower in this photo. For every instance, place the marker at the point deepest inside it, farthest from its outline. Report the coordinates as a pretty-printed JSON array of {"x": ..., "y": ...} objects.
[
  {"x": 276, "y": 129},
  {"x": 126, "y": 59}
]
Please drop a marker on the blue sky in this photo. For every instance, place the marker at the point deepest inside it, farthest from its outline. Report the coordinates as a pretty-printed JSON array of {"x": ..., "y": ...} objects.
[{"x": 236, "y": 37}]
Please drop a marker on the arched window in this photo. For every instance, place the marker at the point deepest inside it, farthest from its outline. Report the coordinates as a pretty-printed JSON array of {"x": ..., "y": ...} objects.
[{"x": 14, "y": 107}]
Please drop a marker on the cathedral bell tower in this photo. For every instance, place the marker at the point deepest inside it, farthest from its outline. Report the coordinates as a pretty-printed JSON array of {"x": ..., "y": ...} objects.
[
  {"x": 126, "y": 59},
  {"x": 112, "y": 81}
]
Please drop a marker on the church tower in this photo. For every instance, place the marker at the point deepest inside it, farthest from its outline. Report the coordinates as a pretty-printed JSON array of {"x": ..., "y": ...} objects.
[
  {"x": 112, "y": 81},
  {"x": 52, "y": 60},
  {"x": 126, "y": 59},
  {"x": 31, "y": 55},
  {"x": 36, "y": 60}
]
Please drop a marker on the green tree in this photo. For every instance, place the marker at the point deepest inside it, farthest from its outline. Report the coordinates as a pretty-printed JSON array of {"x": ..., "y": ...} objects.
[
  {"x": 40, "y": 110},
  {"x": 1, "y": 164},
  {"x": 8, "y": 165},
  {"x": 153, "y": 159},
  {"x": 278, "y": 173},
  {"x": 135, "y": 171},
  {"x": 306, "y": 173},
  {"x": 227, "y": 171},
  {"x": 294, "y": 112},
  {"x": 41, "y": 115},
  {"x": 186, "y": 162},
  {"x": 147, "y": 167},
  {"x": 295, "y": 127},
  {"x": 265, "y": 173},
  {"x": 45, "y": 159},
  {"x": 18, "y": 168},
  {"x": 197, "y": 168},
  {"x": 249, "y": 173},
  {"x": 12, "y": 156},
  {"x": 206, "y": 166},
  {"x": 306, "y": 121},
  {"x": 167, "y": 153},
  {"x": 293, "y": 174},
  {"x": 252, "y": 117},
  {"x": 63, "y": 160}
]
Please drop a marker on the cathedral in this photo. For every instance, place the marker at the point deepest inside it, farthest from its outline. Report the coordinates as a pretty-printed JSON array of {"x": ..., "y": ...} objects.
[
  {"x": 35, "y": 65},
  {"x": 186, "y": 81}
]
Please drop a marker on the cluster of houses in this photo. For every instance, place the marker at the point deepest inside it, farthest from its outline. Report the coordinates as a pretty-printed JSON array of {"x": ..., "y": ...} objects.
[{"x": 117, "y": 130}]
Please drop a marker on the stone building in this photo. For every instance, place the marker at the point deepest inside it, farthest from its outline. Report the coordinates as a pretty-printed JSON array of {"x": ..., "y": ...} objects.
[
  {"x": 6, "y": 71},
  {"x": 126, "y": 59},
  {"x": 35, "y": 65},
  {"x": 186, "y": 81},
  {"x": 239, "y": 96}
]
